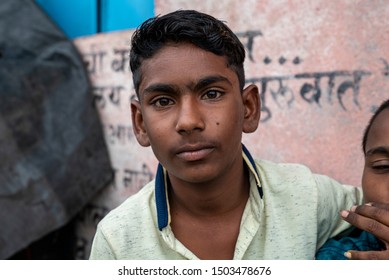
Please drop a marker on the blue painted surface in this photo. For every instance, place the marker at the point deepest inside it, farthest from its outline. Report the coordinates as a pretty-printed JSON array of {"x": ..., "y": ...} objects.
[
  {"x": 75, "y": 18},
  {"x": 86, "y": 17},
  {"x": 124, "y": 14}
]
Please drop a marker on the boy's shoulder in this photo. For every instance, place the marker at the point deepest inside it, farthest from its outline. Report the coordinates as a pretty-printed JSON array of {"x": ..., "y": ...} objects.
[
  {"x": 281, "y": 167},
  {"x": 130, "y": 230},
  {"x": 283, "y": 171},
  {"x": 293, "y": 177}
]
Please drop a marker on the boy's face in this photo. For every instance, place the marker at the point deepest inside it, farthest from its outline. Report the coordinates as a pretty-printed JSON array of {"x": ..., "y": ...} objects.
[
  {"x": 192, "y": 112},
  {"x": 375, "y": 179}
]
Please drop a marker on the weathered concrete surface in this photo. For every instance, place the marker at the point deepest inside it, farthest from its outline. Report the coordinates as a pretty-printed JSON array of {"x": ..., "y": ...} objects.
[{"x": 321, "y": 66}]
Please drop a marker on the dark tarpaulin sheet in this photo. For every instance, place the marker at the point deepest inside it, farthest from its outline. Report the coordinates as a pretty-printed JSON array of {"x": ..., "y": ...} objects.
[{"x": 53, "y": 156}]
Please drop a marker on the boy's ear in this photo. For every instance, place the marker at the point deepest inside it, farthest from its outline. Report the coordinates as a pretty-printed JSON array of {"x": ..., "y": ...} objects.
[
  {"x": 138, "y": 124},
  {"x": 252, "y": 108}
]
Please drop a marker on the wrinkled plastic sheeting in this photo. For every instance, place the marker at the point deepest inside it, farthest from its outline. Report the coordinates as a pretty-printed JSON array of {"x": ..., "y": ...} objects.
[{"x": 53, "y": 157}]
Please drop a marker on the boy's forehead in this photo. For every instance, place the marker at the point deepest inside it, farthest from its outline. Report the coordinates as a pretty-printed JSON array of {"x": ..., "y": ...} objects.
[
  {"x": 184, "y": 62},
  {"x": 379, "y": 131},
  {"x": 188, "y": 50},
  {"x": 381, "y": 122}
]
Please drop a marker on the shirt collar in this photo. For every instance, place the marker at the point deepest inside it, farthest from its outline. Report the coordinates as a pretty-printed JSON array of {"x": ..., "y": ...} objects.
[{"x": 161, "y": 188}]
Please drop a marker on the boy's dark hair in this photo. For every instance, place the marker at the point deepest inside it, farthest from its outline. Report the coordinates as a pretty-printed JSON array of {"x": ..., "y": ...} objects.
[
  {"x": 186, "y": 26},
  {"x": 383, "y": 106}
]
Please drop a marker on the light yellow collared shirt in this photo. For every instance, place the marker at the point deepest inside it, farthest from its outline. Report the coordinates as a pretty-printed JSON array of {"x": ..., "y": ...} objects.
[{"x": 297, "y": 213}]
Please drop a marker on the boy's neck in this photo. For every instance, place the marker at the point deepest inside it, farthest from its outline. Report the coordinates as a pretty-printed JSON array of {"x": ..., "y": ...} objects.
[
  {"x": 217, "y": 197},
  {"x": 206, "y": 218}
]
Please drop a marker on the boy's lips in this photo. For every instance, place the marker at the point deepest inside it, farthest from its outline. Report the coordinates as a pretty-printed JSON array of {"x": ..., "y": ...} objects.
[{"x": 194, "y": 153}]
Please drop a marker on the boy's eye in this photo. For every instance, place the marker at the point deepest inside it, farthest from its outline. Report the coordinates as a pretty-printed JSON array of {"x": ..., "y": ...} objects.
[
  {"x": 382, "y": 166},
  {"x": 212, "y": 94},
  {"x": 162, "y": 102}
]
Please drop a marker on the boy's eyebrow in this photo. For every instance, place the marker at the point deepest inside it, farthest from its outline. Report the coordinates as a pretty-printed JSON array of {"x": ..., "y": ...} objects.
[
  {"x": 378, "y": 150},
  {"x": 206, "y": 81},
  {"x": 160, "y": 88}
]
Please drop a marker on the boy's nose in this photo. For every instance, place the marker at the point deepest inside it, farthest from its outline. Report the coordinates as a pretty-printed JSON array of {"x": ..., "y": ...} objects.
[{"x": 189, "y": 118}]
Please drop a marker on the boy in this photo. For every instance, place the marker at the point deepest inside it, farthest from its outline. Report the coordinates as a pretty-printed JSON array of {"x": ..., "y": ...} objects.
[
  {"x": 375, "y": 185},
  {"x": 210, "y": 199}
]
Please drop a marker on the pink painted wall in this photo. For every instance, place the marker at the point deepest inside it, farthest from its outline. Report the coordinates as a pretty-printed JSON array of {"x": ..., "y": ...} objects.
[{"x": 321, "y": 66}]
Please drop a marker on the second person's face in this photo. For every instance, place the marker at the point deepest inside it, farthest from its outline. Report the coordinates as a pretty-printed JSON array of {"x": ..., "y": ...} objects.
[{"x": 375, "y": 179}]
